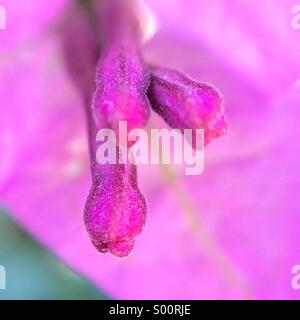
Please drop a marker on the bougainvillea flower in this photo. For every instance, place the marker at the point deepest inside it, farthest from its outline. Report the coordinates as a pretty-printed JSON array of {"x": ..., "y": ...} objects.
[
  {"x": 115, "y": 210},
  {"x": 231, "y": 232}
]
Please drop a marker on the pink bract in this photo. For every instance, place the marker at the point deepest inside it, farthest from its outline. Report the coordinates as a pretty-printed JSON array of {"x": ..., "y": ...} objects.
[{"x": 232, "y": 232}]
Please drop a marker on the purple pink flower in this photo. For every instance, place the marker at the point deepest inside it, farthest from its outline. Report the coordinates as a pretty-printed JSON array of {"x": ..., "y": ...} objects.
[{"x": 232, "y": 232}]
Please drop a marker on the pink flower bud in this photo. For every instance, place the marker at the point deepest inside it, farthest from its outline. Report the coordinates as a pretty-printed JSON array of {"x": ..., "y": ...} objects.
[{"x": 187, "y": 104}]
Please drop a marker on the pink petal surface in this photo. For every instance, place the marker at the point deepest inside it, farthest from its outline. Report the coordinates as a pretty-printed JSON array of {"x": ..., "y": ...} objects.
[
  {"x": 29, "y": 21},
  {"x": 254, "y": 38},
  {"x": 232, "y": 232}
]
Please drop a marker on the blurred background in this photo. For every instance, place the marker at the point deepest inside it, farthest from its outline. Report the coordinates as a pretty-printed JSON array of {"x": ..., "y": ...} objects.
[
  {"x": 34, "y": 273},
  {"x": 232, "y": 232}
]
